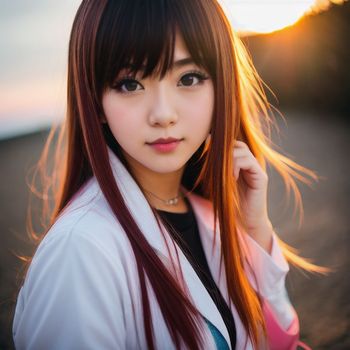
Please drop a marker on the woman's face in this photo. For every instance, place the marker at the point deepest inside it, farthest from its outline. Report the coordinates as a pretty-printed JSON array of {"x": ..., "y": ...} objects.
[{"x": 160, "y": 123}]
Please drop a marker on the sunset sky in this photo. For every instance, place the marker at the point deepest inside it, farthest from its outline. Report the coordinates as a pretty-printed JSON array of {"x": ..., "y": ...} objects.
[{"x": 34, "y": 39}]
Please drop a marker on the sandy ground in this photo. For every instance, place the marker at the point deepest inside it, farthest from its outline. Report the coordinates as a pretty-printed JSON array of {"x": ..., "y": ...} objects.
[{"x": 322, "y": 303}]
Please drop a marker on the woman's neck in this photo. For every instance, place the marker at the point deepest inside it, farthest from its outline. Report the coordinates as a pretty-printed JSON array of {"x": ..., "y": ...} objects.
[{"x": 160, "y": 187}]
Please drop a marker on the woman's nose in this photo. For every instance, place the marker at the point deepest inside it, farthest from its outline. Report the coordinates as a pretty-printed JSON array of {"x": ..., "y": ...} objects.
[{"x": 163, "y": 111}]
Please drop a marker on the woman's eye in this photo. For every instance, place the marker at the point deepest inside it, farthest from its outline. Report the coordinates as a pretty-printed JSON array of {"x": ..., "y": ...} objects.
[
  {"x": 191, "y": 79},
  {"x": 127, "y": 85}
]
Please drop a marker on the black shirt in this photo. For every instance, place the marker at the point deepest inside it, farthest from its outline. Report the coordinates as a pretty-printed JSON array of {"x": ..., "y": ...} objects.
[{"x": 186, "y": 226}]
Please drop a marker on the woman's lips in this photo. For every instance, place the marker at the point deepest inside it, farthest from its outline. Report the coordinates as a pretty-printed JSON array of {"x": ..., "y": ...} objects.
[{"x": 165, "y": 145}]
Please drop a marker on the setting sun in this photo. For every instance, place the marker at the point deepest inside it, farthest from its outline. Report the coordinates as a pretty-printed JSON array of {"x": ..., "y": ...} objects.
[{"x": 267, "y": 16}]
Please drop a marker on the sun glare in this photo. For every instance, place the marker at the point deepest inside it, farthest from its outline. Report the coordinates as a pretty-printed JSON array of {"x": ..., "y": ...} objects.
[{"x": 265, "y": 16}]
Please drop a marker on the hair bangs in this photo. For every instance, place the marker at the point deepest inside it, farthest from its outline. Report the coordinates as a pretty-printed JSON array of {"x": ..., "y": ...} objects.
[{"x": 139, "y": 36}]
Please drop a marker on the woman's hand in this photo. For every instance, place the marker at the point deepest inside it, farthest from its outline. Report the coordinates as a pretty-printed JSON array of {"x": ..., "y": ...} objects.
[{"x": 254, "y": 201}]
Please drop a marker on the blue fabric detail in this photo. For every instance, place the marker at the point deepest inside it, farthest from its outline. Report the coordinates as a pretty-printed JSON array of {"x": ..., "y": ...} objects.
[{"x": 220, "y": 341}]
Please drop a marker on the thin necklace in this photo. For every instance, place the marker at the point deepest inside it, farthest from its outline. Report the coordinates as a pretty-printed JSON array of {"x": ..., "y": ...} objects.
[{"x": 170, "y": 201}]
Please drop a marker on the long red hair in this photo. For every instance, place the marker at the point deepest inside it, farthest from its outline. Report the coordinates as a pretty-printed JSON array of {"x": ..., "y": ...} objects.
[{"x": 109, "y": 35}]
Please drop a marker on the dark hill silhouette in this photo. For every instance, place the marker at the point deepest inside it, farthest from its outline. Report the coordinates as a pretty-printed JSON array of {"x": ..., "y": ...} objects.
[{"x": 307, "y": 65}]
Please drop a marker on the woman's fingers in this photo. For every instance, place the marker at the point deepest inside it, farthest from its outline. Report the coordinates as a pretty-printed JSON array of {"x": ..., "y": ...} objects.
[{"x": 243, "y": 159}]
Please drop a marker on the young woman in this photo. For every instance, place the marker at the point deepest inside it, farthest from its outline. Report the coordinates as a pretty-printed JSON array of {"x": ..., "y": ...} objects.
[{"x": 160, "y": 237}]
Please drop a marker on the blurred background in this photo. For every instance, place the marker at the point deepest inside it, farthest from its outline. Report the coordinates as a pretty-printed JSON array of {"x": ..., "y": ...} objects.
[{"x": 300, "y": 49}]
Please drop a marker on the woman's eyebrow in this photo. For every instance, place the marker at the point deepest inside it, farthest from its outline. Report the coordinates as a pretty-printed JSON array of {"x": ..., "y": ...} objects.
[{"x": 183, "y": 62}]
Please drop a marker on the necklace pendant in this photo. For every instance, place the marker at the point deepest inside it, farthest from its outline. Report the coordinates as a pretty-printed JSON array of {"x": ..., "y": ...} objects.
[{"x": 172, "y": 201}]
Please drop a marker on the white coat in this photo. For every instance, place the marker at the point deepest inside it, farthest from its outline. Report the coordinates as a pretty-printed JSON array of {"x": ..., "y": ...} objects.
[{"x": 82, "y": 284}]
